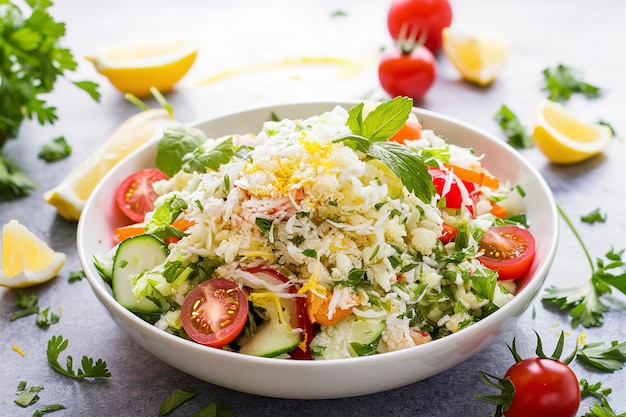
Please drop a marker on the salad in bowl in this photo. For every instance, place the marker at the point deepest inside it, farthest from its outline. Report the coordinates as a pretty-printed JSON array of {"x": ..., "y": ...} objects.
[{"x": 353, "y": 232}]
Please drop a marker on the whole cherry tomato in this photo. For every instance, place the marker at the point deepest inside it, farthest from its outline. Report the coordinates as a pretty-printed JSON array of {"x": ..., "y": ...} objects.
[
  {"x": 407, "y": 73},
  {"x": 411, "y": 20}
]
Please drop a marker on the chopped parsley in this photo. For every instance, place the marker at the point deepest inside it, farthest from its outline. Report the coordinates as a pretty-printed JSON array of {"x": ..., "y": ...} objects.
[
  {"x": 55, "y": 150},
  {"x": 594, "y": 217},
  {"x": 562, "y": 81},
  {"x": 516, "y": 133},
  {"x": 90, "y": 368}
]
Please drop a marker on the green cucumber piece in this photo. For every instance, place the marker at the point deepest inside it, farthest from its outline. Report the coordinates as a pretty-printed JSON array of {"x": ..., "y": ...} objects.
[
  {"x": 134, "y": 256},
  {"x": 347, "y": 338},
  {"x": 272, "y": 338}
]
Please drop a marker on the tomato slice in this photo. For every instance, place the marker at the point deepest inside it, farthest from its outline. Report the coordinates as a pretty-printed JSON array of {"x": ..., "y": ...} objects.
[
  {"x": 215, "y": 312},
  {"x": 300, "y": 319},
  {"x": 448, "y": 234},
  {"x": 135, "y": 196},
  {"x": 452, "y": 188},
  {"x": 508, "y": 249}
]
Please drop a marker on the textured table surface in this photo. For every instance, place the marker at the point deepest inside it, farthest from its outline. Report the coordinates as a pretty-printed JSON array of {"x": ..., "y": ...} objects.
[{"x": 256, "y": 38}]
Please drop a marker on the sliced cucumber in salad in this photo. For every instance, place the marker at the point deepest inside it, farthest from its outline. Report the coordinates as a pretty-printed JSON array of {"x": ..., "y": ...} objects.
[
  {"x": 351, "y": 336},
  {"x": 134, "y": 256},
  {"x": 273, "y": 337}
]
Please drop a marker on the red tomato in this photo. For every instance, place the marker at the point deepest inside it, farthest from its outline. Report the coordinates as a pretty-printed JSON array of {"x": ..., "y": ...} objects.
[
  {"x": 135, "y": 195},
  {"x": 407, "y": 74},
  {"x": 452, "y": 188},
  {"x": 543, "y": 387},
  {"x": 297, "y": 308},
  {"x": 448, "y": 234},
  {"x": 410, "y": 130},
  {"x": 412, "y": 19},
  {"x": 215, "y": 312},
  {"x": 508, "y": 249}
]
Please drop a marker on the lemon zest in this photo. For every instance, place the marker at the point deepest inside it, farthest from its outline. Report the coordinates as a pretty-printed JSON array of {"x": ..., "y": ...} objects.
[{"x": 18, "y": 350}]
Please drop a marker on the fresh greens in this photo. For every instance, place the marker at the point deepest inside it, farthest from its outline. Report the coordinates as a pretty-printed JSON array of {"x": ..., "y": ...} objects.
[
  {"x": 203, "y": 159},
  {"x": 90, "y": 369},
  {"x": 513, "y": 128},
  {"x": 174, "y": 400},
  {"x": 164, "y": 215},
  {"x": 27, "y": 395},
  {"x": 55, "y": 150},
  {"x": 31, "y": 61},
  {"x": 611, "y": 358},
  {"x": 175, "y": 143},
  {"x": 562, "y": 81},
  {"x": 594, "y": 217},
  {"x": 583, "y": 299},
  {"x": 27, "y": 303},
  {"x": 76, "y": 276},
  {"x": 371, "y": 135},
  {"x": 46, "y": 318}
]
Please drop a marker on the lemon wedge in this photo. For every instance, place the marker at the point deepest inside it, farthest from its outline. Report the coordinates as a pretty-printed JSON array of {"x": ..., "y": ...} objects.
[
  {"x": 70, "y": 195},
  {"x": 134, "y": 67},
  {"x": 26, "y": 259},
  {"x": 564, "y": 139},
  {"x": 479, "y": 58}
]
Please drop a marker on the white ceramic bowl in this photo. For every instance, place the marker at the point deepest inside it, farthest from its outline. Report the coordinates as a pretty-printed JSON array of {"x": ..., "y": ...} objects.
[{"x": 331, "y": 378}]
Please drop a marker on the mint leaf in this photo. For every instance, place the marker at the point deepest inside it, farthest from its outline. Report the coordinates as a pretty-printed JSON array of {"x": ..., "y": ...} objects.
[
  {"x": 382, "y": 122},
  {"x": 174, "y": 400},
  {"x": 176, "y": 142},
  {"x": 203, "y": 159}
]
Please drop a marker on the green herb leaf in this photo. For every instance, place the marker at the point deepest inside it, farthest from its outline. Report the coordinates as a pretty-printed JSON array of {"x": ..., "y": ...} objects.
[
  {"x": 562, "y": 81},
  {"x": 264, "y": 224},
  {"x": 45, "y": 409},
  {"x": 28, "y": 396},
  {"x": 203, "y": 159},
  {"x": 383, "y": 121},
  {"x": 311, "y": 253},
  {"x": 76, "y": 276},
  {"x": 176, "y": 142},
  {"x": 45, "y": 318},
  {"x": 174, "y": 400},
  {"x": 611, "y": 358},
  {"x": 164, "y": 215},
  {"x": 593, "y": 390},
  {"x": 513, "y": 129},
  {"x": 14, "y": 183},
  {"x": 593, "y": 217},
  {"x": 602, "y": 409},
  {"x": 90, "y": 369},
  {"x": 55, "y": 150},
  {"x": 27, "y": 303}
]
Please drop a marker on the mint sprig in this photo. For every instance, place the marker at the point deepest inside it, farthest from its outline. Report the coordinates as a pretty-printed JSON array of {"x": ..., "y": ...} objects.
[{"x": 370, "y": 136}]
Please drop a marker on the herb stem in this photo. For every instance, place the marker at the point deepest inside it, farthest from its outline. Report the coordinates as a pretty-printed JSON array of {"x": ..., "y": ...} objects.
[{"x": 573, "y": 229}]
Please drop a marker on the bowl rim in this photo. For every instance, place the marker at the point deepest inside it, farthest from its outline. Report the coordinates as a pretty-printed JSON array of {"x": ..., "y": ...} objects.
[{"x": 526, "y": 295}]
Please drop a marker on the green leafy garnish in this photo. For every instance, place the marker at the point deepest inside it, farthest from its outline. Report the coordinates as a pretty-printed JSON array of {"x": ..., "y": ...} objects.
[
  {"x": 203, "y": 159},
  {"x": 594, "y": 217},
  {"x": 31, "y": 62},
  {"x": 164, "y": 215},
  {"x": 176, "y": 142},
  {"x": 583, "y": 299},
  {"x": 370, "y": 136},
  {"x": 76, "y": 276},
  {"x": 602, "y": 409},
  {"x": 513, "y": 129},
  {"x": 55, "y": 150},
  {"x": 562, "y": 81},
  {"x": 27, "y": 303},
  {"x": 611, "y": 358},
  {"x": 593, "y": 390},
  {"x": 45, "y": 409},
  {"x": 45, "y": 318},
  {"x": 90, "y": 369},
  {"x": 607, "y": 124},
  {"x": 264, "y": 224},
  {"x": 212, "y": 410},
  {"x": 174, "y": 400},
  {"x": 27, "y": 395}
]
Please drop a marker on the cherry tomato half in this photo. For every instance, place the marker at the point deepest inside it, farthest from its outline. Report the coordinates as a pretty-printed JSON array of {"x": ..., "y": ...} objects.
[
  {"x": 135, "y": 196},
  {"x": 508, "y": 249},
  {"x": 411, "y": 19},
  {"x": 407, "y": 74},
  {"x": 215, "y": 312},
  {"x": 297, "y": 311},
  {"x": 543, "y": 387}
]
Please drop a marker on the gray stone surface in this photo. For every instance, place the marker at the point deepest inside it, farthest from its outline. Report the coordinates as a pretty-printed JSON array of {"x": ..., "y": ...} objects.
[{"x": 585, "y": 35}]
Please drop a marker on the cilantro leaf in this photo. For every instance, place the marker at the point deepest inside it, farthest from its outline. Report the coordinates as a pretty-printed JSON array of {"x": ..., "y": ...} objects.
[
  {"x": 602, "y": 409},
  {"x": 14, "y": 182},
  {"x": 90, "y": 369},
  {"x": 55, "y": 150},
  {"x": 76, "y": 276},
  {"x": 177, "y": 142},
  {"x": 562, "y": 81},
  {"x": 512, "y": 128},
  {"x": 593, "y": 390},
  {"x": 593, "y": 217},
  {"x": 174, "y": 400},
  {"x": 608, "y": 359},
  {"x": 27, "y": 303},
  {"x": 45, "y": 318}
]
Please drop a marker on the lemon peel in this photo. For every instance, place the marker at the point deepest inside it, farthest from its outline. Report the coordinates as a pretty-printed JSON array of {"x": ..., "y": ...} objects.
[
  {"x": 563, "y": 138},
  {"x": 136, "y": 66},
  {"x": 479, "y": 58},
  {"x": 26, "y": 259},
  {"x": 70, "y": 195}
]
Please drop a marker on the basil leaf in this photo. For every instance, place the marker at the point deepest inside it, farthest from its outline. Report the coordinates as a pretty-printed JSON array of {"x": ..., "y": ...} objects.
[
  {"x": 202, "y": 159},
  {"x": 174, "y": 145}
]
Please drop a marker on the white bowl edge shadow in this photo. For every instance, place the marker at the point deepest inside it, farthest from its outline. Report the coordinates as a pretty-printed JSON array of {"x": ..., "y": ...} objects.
[{"x": 331, "y": 378}]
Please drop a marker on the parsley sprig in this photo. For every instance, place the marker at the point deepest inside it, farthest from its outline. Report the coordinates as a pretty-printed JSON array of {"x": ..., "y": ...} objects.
[
  {"x": 31, "y": 61},
  {"x": 583, "y": 300},
  {"x": 370, "y": 136},
  {"x": 513, "y": 129},
  {"x": 562, "y": 81},
  {"x": 90, "y": 368}
]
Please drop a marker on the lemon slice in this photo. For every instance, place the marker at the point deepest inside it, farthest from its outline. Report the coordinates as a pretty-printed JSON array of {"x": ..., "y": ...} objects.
[
  {"x": 26, "y": 259},
  {"x": 70, "y": 195},
  {"x": 479, "y": 58},
  {"x": 136, "y": 66},
  {"x": 563, "y": 138}
]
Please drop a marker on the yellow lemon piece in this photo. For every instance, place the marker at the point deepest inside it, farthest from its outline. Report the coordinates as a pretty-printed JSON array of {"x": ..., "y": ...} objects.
[
  {"x": 386, "y": 175},
  {"x": 70, "y": 195},
  {"x": 26, "y": 259},
  {"x": 136, "y": 66},
  {"x": 479, "y": 58},
  {"x": 563, "y": 138}
]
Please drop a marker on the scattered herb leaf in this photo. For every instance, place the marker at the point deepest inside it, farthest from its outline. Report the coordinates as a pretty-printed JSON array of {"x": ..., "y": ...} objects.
[
  {"x": 55, "y": 150},
  {"x": 611, "y": 358},
  {"x": 76, "y": 276},
  {"x": 593, "y": 390},
  {"x": 513, "y": 129},
  {"x": 28, "y": 395},
  {"x": 594, "y": 217},
  {"x": 90, "y": 369},
  {"x": 27, "y": 304},
  {"x": 174, "y": 400},
  {"x": 562, "y": 81},
  {"x": 45, "y": 318},
  {"x": 45, "y": 409}
]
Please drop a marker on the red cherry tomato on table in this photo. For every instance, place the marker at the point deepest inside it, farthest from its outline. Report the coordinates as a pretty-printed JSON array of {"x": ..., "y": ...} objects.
[
  {"x": 407, "y": 73},
  {"x": 412, "y": 19},
  {"x": 508, "y": 249},
  {"x": 543, "y": 387},
  {"x": 135, "y": 196},
  {"x": 215, "y": 312}
]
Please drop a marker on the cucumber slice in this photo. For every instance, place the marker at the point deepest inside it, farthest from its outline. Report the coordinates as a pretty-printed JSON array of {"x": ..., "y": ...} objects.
[
  {"x": 346, "y": 338},
  {"x": 134, "y": 256},
  {"x": 272, "y": 338}
]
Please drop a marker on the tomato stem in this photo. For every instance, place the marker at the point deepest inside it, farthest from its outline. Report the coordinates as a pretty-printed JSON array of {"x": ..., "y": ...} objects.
[{"x": 573, "y": 229}]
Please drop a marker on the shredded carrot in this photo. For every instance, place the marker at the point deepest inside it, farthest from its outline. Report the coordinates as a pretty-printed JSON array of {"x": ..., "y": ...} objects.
[{"x": 497, "y": 210}]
